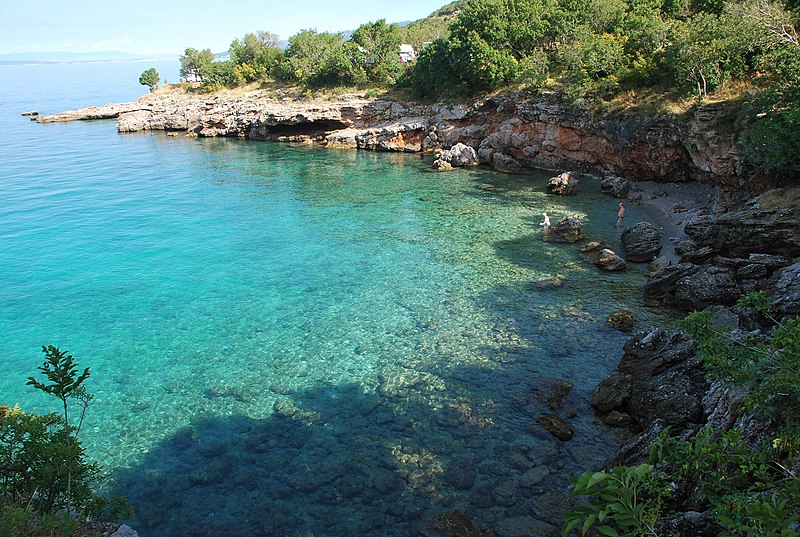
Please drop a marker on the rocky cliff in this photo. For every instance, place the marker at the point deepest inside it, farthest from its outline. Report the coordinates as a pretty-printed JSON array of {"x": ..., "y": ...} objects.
[{"x": 509, "y": 132}]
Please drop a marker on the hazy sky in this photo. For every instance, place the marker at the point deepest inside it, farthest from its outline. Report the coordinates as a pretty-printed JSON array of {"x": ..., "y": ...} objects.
[{"x": 169, "y": 26}]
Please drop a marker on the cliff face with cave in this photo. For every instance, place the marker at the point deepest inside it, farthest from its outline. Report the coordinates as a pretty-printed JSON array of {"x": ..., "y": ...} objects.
[{"x": 511, "y": 132}]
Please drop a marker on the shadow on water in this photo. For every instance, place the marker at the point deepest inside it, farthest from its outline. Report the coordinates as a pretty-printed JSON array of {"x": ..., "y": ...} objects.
[
  {"x": 333, "y": 460},
  {"x": 435, "y": 435}
]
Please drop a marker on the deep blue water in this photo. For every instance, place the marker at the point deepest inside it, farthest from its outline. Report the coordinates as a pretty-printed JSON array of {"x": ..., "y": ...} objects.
[{"x": 292, "y": 340}]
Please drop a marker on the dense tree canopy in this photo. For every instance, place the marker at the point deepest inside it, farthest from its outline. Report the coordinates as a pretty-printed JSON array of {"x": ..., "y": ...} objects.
[
  {"x": 588, "y": 50},
  {"x": 193, "y": 61}
]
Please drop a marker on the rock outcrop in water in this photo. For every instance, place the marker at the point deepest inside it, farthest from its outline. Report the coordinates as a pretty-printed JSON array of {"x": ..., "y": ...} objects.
[{"x": 507, "y": 132}]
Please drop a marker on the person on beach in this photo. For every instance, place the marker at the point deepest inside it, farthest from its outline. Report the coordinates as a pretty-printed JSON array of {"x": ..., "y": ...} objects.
[
  {"x": 546, "y": 222},
  {"x": 620, "y": 214}
]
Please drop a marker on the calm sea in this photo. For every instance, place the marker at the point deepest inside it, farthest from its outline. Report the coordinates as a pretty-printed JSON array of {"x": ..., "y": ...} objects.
[{"x": 297, "y": 341}]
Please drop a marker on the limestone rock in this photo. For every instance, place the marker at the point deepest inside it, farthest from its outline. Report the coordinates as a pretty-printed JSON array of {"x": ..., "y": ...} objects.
[
  {"x": 658, "y": 378},
  {"x": 642, "y": 242},
  {"x": 593, "y": 246},
  {"x": 600, "y": 254},
  {"x": 661, "y": 286},
  {"x": 636, "y": 448},
  {"x": 548, "y": 284},
  {"x": 568, "y": 229},
  {"x": 709, "y": 285},
  {"x": 503, "y": 162},
  {"x": 563, "y": 184},
  {"x": 752, "y": 230},
  {"x": 786, "y": 299},
  {"x": 547, "y": 392},
  {"x": 621, "y": 320},
  {"x": 615, "y": 185},
  {"x": 618, "y": 419},
  {"x": 607, "y": 259},
  {"x": 460, "y": 155},
  {"x": 612, "y": 392},
  {"x": 125, "y": 531},
  {"x": 652, "y": 351},
  {"x": 441, "y": 166}
]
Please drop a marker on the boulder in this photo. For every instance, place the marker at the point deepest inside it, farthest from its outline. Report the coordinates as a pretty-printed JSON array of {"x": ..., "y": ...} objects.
[
  {"x": 441, "y": 166},
  {"x": 616, "y": 186},
  {"x": 593, "y": 246},
  {"x": 547, "y": 392},
  {"x": 661, "y": 286},
  {"x": 608, "y": 260},
  {"x": 600, "y": 254},
  {"x": 503, "y": 162},
  {"x": 612, "y": 392},
  {"x": 125, "y": 531},
  {"x": 548, "y": 284},
  {"x": 642, "y": 242},
  {"x": 650, "y": 352},
  {"x": 460, "y": 155},
  {"x": 568, "y": 229},
  {"x": 564, "y": 184},
  {"x": 658, "y": 378},
  {"x": 618, "y": 419},
  {"x": 621, "y": 320},
  {"x": 708, "y": 286}
]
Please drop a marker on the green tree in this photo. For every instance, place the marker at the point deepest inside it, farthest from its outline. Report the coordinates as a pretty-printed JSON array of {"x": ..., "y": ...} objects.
[
  {"x": 193, "y": 61},
  {"x": 256, "y": 55},
  {"x": 66, "y": 385},
  {"x": 380, "y": 43},
  {"x": 150, "y": 78},
  {"x": 321, "y": 59}
]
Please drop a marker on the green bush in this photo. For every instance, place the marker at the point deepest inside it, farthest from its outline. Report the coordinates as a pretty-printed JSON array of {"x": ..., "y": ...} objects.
[
  {"x": 625, "y": 499},
  {"x": 768, "y": 367}
]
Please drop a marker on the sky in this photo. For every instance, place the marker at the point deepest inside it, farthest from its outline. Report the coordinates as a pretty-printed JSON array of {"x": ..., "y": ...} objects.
[{"x": 170, "y": 26}]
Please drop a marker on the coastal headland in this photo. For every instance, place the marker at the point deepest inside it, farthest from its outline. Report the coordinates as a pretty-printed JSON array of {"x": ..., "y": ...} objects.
[{"x": 509, "y": 132}]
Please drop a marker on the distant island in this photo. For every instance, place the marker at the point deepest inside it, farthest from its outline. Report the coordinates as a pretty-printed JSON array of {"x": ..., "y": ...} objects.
[{"x": 78, "y": 57}]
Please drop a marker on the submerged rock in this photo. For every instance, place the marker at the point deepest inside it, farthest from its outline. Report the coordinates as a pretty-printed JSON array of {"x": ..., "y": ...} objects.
[
  {"x": 621, "y": 320},
  {"x": 556, "y": 426}
]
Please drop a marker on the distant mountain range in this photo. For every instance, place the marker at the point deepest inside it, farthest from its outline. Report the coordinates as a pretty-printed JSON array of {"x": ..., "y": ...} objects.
[{"x": 60, "y": 57}]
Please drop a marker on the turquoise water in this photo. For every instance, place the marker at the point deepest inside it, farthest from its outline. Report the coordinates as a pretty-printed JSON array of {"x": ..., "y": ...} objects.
[{"x": 298, "y": 341}]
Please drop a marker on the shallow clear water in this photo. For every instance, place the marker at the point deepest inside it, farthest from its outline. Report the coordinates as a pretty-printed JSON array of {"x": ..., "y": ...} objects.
[{"x": 298, "y": 341}]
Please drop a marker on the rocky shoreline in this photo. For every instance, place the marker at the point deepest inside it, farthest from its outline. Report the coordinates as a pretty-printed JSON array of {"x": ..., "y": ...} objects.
[
  {"x": 508, "y": 132},
  {"x": 686, "y": 172}
]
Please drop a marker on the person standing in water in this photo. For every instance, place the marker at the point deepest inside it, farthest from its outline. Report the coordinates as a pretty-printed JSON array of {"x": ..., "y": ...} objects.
[
  {"x": 546, "y": 222},
  {"x": 620, "y": 214}
]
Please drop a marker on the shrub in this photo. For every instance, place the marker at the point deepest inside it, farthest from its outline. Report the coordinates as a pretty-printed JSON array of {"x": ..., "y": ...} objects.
[{"x": 624, "y": 499}]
